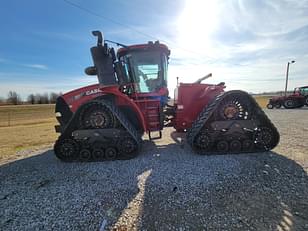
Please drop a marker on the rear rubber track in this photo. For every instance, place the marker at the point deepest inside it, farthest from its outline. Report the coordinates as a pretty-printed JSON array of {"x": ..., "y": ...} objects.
[{"x": 202, "y": 125}]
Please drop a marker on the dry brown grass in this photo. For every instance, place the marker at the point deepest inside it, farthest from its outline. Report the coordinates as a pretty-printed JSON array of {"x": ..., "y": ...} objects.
[
  {"x": 262, "y": 100},
  {"x": 31, "y": 126},
  {"x": 25, "y": 114}
]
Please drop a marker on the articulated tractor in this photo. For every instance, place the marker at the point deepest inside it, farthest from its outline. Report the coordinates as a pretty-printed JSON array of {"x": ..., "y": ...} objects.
[{"x": 106, "y": 121}]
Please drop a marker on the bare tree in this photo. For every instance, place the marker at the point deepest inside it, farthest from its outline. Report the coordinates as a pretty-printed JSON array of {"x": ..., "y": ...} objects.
[
  {"x": 53, "y": 97},
  {"x": 38, "y": 99},
  {"x": 13, "y": 98},
  {"x": 42, "y": 98},
  {"x": 45, "y": 98},
  {"x": 31, "y": 99}
]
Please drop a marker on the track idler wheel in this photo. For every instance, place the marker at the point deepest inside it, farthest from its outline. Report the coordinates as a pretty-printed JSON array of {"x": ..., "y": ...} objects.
[
  {"x": 223, "y": 146},
  {"x": 203, "y": 141},
  {"x": 234, "y": 107},
  {"x": 111, "y": 153},
  {"x": 85, "y": 154},
  {"x": 264, "y": 138},
  {"x": 66, "y": 149},
  {"x": 127, "y": 147}
]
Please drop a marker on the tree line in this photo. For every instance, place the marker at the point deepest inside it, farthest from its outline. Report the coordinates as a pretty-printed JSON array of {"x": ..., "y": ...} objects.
[{"x": 15, "y": 99}]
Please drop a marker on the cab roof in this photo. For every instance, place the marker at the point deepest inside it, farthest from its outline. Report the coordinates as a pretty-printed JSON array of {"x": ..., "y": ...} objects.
[{"x": 144, "y": 47}]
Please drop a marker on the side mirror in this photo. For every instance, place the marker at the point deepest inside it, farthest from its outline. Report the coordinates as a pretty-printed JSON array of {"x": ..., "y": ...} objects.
[{"x": 90, "y": 70}]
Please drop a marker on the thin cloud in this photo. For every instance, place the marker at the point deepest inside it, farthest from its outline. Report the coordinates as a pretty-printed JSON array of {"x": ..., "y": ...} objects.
[{"x": 36, "y": 66}]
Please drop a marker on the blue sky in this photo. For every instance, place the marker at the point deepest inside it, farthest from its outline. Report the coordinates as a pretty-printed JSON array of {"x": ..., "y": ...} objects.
[{"x": 44, "y": 45}]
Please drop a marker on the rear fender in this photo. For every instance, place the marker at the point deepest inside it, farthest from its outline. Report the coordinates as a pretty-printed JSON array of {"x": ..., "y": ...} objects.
[{"x": 75, "y": 99}]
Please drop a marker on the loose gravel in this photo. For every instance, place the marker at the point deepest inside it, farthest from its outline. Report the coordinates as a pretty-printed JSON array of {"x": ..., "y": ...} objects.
[{"x": 166, "y": 187}]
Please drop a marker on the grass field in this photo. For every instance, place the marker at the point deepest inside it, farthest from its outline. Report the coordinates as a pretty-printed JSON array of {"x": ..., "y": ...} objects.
[
  {"x": 25, "y": 114},
  {"x": 32, "y": 126},
  {"x": 262, "y": 100}
]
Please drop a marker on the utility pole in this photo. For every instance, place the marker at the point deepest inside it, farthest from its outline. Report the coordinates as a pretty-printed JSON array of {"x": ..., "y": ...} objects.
[{"x": 287, "y": 77}]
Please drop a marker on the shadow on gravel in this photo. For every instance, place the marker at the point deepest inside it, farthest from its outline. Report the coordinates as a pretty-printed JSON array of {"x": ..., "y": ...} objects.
[{"x": 165, "y": 186}]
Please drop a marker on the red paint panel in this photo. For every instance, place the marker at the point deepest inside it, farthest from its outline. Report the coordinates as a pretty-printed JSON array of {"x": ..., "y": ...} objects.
[{"x": 190, "y": 100}]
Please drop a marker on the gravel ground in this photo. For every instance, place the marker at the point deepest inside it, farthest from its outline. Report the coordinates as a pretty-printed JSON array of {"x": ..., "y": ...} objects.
[{"x": 166, "y": 188}]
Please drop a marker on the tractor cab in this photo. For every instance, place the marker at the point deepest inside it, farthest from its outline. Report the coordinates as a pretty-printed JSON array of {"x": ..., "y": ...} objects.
[
  {"x": 303, "y": 90},
  {"x": 146, "y": 66},
  {"x": 139, "y": 70}
]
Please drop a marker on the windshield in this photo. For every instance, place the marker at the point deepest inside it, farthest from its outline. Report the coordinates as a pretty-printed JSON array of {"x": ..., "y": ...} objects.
[
  {"x": 147, "y": 70},
  {"x": 304, "y": 91}
]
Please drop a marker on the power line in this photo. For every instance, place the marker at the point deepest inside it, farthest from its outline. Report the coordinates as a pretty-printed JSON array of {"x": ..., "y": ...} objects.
[
  {"x": 108, "y": 19},
  {"x": 127, "y": 26}
]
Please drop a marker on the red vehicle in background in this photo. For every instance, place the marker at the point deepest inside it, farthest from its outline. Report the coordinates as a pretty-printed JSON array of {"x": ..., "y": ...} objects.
[
  {"x": 106, "y": 121},
  {"x": 298, "y": 99}
]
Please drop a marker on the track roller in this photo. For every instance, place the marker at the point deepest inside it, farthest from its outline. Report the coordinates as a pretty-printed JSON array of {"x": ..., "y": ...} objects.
[
  {"x": 223, "y": 146},
  {"x": 111, "y": 153},
  {"x": 85, "y": 154},
  {"x": 247, "y": 145},
  {"x": 98, "y": 152},
  {"x": 235, "y": 146}
]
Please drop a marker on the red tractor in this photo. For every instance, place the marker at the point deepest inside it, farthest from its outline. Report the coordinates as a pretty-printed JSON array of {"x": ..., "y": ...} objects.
[
  {"x": 298, "y": 99},
  {"x": 106, "y": 121}
]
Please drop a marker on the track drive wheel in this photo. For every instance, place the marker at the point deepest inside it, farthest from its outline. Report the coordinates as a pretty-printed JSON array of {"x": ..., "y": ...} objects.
[
  {"x": 234, "y": 107},
  {"x": 96, "y": 116},
  {"x": 66, "y": 149}
]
